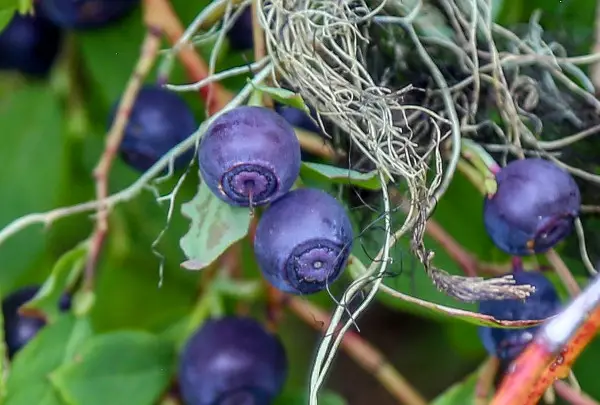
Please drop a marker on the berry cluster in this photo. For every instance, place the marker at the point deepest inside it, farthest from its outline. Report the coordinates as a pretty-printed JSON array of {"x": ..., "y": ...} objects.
[
  {"x": 30, "y": 44},
  {"x": 250, "y": 156},
  {"x": 532, "y": 209}
]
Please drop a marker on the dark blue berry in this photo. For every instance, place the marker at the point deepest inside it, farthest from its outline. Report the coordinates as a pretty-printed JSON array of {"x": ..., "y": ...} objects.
[
  {"x": 249, "y": 156},
  {"x": 298, "y": 118},
  {"x": 232, "y": 361},
  {"x": 29, "y": 45},
  {"x": 303, "y": 241},
  {"x": 20, "y": 329},
  {"x": 82, "y": 14},
  {"x": 240, "y": 34},
  {"x": 159, "y": 120},
  {"x": 506, "y": 344},
  {"x": 533, "y": 208}
]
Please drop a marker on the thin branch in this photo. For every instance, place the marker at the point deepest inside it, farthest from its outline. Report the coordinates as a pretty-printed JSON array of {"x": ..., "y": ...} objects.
[
  {"x": 571, "y": 395},
  {"x": 485, "y": 381},
  {"x": 554, "y": 350},
  {"x": 361, "y": 351},
  {"x": 595, "y": 68},
  {"x": 161, "y": 15},
  {"x": 563, "y": 272},
  {"x": 48, "y": 217},
  {"x": 148, "y": 54}
]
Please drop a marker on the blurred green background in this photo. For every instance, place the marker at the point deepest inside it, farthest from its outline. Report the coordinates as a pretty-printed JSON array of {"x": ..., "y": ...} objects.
[{"x": 52, "y": 134}]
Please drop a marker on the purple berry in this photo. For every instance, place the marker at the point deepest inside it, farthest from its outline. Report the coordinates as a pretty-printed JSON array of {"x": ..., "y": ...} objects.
[
  {"x": 29, "y": 45},
  {"x": 20, "y": 329},
  {"x": 240, "y": 34},
  {"x": 82, "y": 14},
  {"x": 533, "y": 208},
  {"x": 506, "y": 344},
  {"x": 232, "y": 360},
  {"x": 298, "y": 118},
  {"x": 249, "y": 156},
  {"x": 303, "y": 241},
  {"x": 159, "y": 120}
]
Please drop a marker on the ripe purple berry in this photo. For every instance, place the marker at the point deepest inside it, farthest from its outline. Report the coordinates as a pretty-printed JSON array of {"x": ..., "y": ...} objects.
[
  {"x": 249, "y": 156},
  {"x": 29, "y": 45},
  {"x": 506, "y": 344},
  {"x": 533, "y": 208},
  {"x": 298, "y": 118},
  {"x": 20, "y": 329},
  {"x": 232, "y": 360},
  {"x": 82, "y": 14},
  {"x": 240, "y": 34},
  {"x": 158, "y": 121},
  {"x": 303, "y": 241}
]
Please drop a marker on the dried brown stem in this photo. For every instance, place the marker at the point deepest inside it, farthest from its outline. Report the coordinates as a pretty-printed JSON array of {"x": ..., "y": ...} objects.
[
  {"x": 148, "y": 54},
  {"x": 361, "y": 351}
]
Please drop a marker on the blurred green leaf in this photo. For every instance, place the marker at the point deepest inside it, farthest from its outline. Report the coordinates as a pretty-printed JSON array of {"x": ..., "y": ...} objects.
[
  {"x": 120, "y": 368},
  {"x": 215, "y": 226},
  {"x": 338, "y": 175},
  {"x": 32, "y": 159},
  {"x": 462, "y": 393},
  {"x": 6, "y": 14},
  {"x": 326, "y": 397},
  {"x": 55, "y": 345},
  {"x": 25, "y": 6},
  {"x": 65, "y": 272}
]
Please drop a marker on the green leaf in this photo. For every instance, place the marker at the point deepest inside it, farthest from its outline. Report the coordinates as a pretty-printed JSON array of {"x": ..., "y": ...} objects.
[
  {"x": 215, "y": 226},
  {"x": 55, "y": 344},
  {"x": 25, "y": 6},
  {"x": 326, "y": 397},
  {"x": 65, "y": 272},
  {"x": 283, "y": 96},
  {"x": 3, "y": 358},
  {"x": 6, "y": 14},
  {"x": 338, "y": 175},
  {"x": 461, "y": 393},
  {"x": 120, "y": 368},
  {"x": 30, "y": 119}
]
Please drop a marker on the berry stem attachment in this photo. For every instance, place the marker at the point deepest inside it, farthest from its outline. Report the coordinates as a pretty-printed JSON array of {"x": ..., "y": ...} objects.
[
  {"x": 362, "y": 352},
  {"x": 149, "y": 52},
  {"x": 482, "y": 161}
]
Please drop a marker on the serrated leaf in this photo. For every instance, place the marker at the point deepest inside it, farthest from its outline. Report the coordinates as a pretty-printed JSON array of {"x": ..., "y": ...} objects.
[
  {"x": 339, "y": 175},
  {"x": 55, "y": 344},
  {"x": 461, "y": 393},
  {"x": 215, "y": 226},
  {"x": 119, "y": 368},
  {"x": 356, "y": 268},
  {"x": 283, "y": 96},
  {"x": 64, "y": 273}
]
